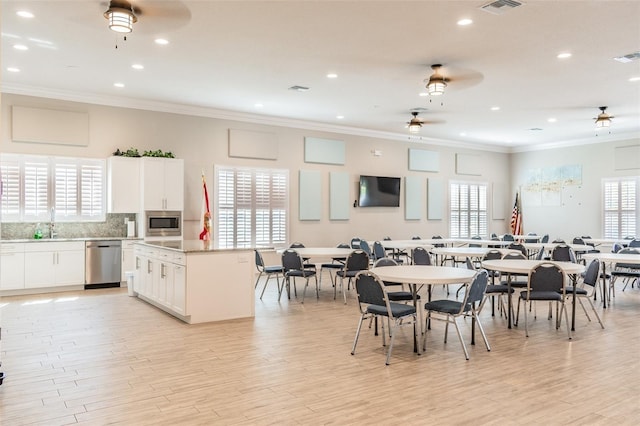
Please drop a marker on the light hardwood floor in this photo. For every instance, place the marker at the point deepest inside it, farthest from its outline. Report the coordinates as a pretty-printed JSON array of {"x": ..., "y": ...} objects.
[{"x": 100, "y": 357}]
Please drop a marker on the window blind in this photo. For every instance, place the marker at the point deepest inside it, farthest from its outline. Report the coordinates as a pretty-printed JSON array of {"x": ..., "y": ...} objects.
[
  {"x": 620, "y": 207},
  {"x": 467, "y": 209}
]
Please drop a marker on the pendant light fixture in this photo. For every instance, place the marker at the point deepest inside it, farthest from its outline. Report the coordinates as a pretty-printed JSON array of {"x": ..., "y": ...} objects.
[
  {"x": 120, "y": 16},
  {"x": 436, "y": 83}
]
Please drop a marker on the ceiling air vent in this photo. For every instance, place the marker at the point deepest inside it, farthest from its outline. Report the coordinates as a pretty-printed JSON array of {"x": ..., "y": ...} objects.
[
  {"x": 628, "y": 58},
  {"x": 499, "y": 7},
  {"x": 299, "y": 88}
]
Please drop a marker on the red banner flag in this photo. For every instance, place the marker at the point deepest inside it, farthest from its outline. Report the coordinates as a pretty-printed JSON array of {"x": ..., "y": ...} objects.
[
  {"x": 516, "y": 218},
  {"x": 206, "y": 214}
]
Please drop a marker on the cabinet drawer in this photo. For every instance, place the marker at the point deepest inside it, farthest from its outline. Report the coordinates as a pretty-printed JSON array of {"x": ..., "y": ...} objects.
[
  {"x": 54, "y": 246},
  {"x": 11, "y": 248}
]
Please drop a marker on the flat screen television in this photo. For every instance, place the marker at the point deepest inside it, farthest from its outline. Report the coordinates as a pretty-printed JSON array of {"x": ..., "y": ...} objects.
[{"x": 379, "y": 191}]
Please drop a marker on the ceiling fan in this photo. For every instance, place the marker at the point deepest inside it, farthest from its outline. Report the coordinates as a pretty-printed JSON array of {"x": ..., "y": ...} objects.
[
  {"x": 441, "y": 77},
  {"x": 603, "y": 120},
  {"x": 153, "y": 16},
  {"x": 415, "y": 124}
]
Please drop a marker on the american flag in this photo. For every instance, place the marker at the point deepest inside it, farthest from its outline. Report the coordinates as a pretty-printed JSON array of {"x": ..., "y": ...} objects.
[{"x": 516, "y": 218}]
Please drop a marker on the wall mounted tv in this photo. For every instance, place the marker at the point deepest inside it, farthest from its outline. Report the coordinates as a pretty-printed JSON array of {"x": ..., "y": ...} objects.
[{"x": 379, "y": 191}]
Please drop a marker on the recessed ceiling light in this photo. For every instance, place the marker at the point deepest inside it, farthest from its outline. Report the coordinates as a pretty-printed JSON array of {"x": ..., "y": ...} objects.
[
  {"x": 495, "y": 108},
  {"x": 20, "y": 47},
  {"x": 137, "y": 66},
  {"x": 24, "y": 14},
  {"x": 339, "y": 117},
  {"x": 118, "y": 85},
  {"x": 465, "y": 21},
  {"x": 13, "y": 69},
  {"x": 258, "y": 105},
  {"x": 552, "y": 120},
  {"x": 332, "y": 75},
  {"x": 564, "y": 55},
  {"x": 632, "y": 79},
  {"x": 161, "y": 41}
]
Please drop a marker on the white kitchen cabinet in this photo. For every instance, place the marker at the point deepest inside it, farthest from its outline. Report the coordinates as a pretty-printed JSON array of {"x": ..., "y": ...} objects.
[
  {"x": 162, "y": 183},
  {"x": 128, "y": 259},
  {"x": 178, "y": 304},
  {"x": 51, "y": 264},
  {"x": 11, "y": 266},
  {"x": 123, "y": 185}
]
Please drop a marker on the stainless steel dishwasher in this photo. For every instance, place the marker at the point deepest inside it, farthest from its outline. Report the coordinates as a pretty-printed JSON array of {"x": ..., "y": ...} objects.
[{"x": 103, "y": 262}]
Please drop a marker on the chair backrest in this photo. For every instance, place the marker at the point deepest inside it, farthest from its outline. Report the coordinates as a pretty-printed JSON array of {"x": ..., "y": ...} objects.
[
  {"x": 476, "y": 290},
  {"x": 385, "y": 261},
  {"x": 355, "y": 242},
  {"x": 358, "y": 260},
  {"x": 562, "y": 253},
  {"x": 578, "y": 240},
  {"x": 545, "y": 238},
  {"x": 470, "y": 264},
  {"x": 514, "y": 256},
  {"x": 629, "y": 237},
  {"x": 634, "y": 243},
  {"x": 492, "y": 255},
  {"x": 629, "y": 250},
  {"x": 416, "y": 237},
  {"x": 558, "y": 241},
  {"x": 420, "y": 256},
  {"x": 508, "y": 237},
  {"x": 616, "y": 247},
  {"x": 291, "y": 260},
  {"x": 364, "y": 245},
  {"x": 387, "y": 238},
  {"x": 378, "y": 250},
  {"x": 540, "y": 254},
  {"x": 519, "y": 247},
  {"x": 296, "y": 245},
  {"x": 592, "y": 273},
  {"x": 370, "y": 290},
  {"x": 546, "y": 277},
  {"x": 475, "y": 237},
  {"x": 343, "y": 245},
  {"x": 259, "y": 261},
  {"x": 437, "y": 237},
  {"x": 531, "y": 240},
  {"x": 494, "y": 235}
]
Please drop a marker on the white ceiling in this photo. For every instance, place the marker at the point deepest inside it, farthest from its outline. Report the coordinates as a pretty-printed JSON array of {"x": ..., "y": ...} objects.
[{"x": 225, "y": 57}]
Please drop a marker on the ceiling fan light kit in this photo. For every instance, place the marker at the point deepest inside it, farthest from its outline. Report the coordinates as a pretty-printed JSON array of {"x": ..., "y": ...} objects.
[
  {"x": 437, "y": 83},
  {"x": 121, "y": 17},
  {"x": 415, "y": 124},
  {"x": 603, "y": 120}
]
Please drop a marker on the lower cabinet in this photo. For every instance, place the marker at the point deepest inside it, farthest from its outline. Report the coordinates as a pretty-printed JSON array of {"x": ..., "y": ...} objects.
[
  {"x": 51, "y": 264},
  {"x": 161, "y": 278},
  {"x": 11, "y": 266}
]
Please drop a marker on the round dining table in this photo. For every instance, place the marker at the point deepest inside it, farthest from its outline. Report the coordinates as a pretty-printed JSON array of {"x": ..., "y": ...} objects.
[
  {"x": 429, "y": 275},
  {"x": 524, "y": 266},
  {"x": 605, "y": 258},
  {"x": 467, "y": 252}
]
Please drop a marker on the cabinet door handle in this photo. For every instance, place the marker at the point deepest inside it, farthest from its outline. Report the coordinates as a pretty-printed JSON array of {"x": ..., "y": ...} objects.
[
  {"x": 149, "y": 269},
  {"x": 137, "y": 262},
  {"x": 162, "y": 270},
  {"x": 54, "y": 257}
]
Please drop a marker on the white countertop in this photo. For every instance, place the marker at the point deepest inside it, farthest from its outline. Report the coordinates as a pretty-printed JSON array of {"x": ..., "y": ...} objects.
[
  {"x": 189, "y": 246},
  {"x": 33, "y": 240}
]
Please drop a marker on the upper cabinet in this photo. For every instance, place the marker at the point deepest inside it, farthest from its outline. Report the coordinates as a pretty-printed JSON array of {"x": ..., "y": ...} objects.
[
  {"x": 162, "y": 183},
  {"x": 123, "y": 188}
]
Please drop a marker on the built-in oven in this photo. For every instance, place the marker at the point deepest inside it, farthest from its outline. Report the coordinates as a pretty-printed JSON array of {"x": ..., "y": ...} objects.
[{"x": 161, "y": 223}]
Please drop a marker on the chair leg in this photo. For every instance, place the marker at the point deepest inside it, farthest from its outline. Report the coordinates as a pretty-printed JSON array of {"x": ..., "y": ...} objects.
[
  {"x": 257, "y": 280},
  {"x": 355, "y": 341},
  {"x": 392, "y": 333},
  {"x": 566, "y": 319},
  {"x": 526, "y": 322},
  {"x": 484, "y": 336},
  {"x": 595, "y": 312},
  {"x": 265, "y": 286},
  {"x": 583, "y": 308},
  {"x": 464, "y": 347},
  {"x": 304, "y": 290}
]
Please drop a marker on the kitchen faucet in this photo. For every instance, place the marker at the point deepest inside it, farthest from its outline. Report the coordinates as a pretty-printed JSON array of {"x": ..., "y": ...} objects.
[{"x": 52, "y": 224}]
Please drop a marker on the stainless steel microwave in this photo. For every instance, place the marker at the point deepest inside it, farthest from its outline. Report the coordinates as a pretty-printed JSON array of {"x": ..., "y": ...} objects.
[{"x": 160, "y": 223}]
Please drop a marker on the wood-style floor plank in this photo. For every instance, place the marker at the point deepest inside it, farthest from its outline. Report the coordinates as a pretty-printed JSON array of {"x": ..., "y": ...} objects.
[{"x": 102, "y": 357}]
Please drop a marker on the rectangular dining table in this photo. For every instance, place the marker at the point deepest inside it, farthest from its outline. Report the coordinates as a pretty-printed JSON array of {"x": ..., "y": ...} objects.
[{"x": 605, "y": 258}]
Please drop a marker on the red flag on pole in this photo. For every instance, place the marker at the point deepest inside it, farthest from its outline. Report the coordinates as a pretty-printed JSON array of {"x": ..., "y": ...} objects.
[
  {"x": 516, "y": 218},
  {"x": 206, "y": 214}
]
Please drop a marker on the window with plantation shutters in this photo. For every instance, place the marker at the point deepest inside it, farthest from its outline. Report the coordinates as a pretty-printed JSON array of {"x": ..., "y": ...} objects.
[
  {"x": 620, "y": 207},
  {"x": 33, "y": 185},
  {"x": 467, "y": 209},
  {"x": 251, "y": 207}
]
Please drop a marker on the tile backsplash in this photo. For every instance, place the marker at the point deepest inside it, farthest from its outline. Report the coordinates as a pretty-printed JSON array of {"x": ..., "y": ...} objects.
[{"x": 113, "y": 226}]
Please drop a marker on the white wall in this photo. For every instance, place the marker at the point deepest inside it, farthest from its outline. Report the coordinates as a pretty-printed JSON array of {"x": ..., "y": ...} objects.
[
  {"x": 203, "y": 142},
  {"x": 580, "y": 212}
]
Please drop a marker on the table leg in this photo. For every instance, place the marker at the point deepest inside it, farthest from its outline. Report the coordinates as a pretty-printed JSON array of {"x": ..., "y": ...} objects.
[
  {"x": 473, "y": 325},
  {"x": 509, "y": 302},
  {"x": 574, "y": 279},
  {"x": 414, "y": 288},
  {"x": 604, "y": 285}
]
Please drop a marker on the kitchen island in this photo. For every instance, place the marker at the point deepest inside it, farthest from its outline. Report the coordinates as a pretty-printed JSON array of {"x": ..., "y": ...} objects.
[{"x": 194, "y": 281}]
